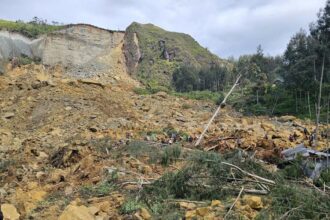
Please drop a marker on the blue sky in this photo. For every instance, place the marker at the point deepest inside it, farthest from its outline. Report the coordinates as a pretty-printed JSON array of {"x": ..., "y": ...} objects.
[{"x": 225, "y": 27}]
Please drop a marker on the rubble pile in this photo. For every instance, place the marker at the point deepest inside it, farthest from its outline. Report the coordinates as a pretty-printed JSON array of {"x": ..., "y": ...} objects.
[{"x": 71, "y": 149}]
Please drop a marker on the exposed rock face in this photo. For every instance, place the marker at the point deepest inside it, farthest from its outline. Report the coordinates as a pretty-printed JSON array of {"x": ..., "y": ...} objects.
[
  {"x": 13, "y": 45},
  {"x": 132, "y": 52},
  {"x": 77, "y": 47}
]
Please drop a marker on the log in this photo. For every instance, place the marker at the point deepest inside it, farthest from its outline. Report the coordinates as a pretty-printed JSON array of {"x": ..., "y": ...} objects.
[{"x": 222, "y": 105}]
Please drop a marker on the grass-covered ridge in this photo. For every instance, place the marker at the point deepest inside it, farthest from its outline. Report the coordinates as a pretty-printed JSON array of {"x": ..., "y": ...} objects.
[
  {"x": 31, "y": 29},
  {"x": 181, "y": 49}
]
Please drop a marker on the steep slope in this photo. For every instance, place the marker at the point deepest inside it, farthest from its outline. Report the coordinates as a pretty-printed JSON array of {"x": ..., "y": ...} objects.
[
  {"x": 153, "y": 53},
  {"x": 75, "y": 47}
]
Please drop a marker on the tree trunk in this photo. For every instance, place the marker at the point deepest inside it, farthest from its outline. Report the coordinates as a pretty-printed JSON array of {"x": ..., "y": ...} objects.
[
  {"x": 257, "y": 96},
  {"x": 319, "y": 102},
  {"x": 309, "y": 106}
]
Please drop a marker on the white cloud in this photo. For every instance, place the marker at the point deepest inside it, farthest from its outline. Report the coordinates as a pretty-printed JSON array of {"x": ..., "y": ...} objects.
[{"x": 226, "y": 27}]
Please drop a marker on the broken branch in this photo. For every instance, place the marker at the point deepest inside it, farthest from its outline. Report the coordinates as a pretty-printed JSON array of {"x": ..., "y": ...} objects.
[
  {"x": 249, "y": 174},
  {"x": 232, "y": 206}
]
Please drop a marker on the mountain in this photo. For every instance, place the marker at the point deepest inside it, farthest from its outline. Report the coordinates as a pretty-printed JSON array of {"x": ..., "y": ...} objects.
[
  {"x": 153, "y": 53},
  {"x": 150, "y": 53}
]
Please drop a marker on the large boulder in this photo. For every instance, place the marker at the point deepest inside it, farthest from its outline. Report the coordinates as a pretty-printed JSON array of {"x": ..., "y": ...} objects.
[
  {"x": 73, "y": 212},
  {"x": 9, "y": 212}
]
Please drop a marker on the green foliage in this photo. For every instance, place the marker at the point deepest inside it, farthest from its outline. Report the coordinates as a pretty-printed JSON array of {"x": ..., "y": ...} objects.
[
  {"x": 201, "y": 95},
  {"x": 130, "y": 206},
  {"x": 170, "y": 154},
  {"x": 324, "y": 178},
  {"x": 30, "y": 29},
  {"x": 295, "y": 202},
  {"x": 101, "y": 189},
  {"x": 293, "y": 171}
]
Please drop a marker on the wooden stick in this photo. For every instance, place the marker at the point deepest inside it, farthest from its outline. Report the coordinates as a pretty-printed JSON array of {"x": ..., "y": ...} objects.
[
  {"x": 249, "y": 174},
  {"x": 184, "y": 200},
  {"x": 232, "y": 206},
  {"x": 222, "y": 105}
]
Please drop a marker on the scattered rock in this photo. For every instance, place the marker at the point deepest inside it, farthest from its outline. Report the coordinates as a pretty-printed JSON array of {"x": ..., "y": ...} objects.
[
  {"x": 286, "y": 118},
  {"x": 203, "y": 211},
  {"x": 145, "y": 214},
  {"x": 8, "y": 115},
  {"x": 254, "y": 202},
  {"x": 161, "y": 94},
  {"x": 190, "y": 214},
  {"x": 9, "y": 212},
  {"x": 216, "y": 203},
  {"x": 93, "y": 129},
  {"x": 187, "y": 205},
  {"x": 267, "y": 126},
  {"x": 73, "y": 212}
]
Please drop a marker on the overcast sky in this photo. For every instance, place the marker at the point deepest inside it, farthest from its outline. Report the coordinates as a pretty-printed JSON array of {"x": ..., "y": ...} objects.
[{"x": 226, "y": 27}]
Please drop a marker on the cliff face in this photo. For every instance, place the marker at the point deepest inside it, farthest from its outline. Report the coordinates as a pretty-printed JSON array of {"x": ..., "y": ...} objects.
[
  {"x": 76, "y": 47},
  {"x": 145, "y": 51}
]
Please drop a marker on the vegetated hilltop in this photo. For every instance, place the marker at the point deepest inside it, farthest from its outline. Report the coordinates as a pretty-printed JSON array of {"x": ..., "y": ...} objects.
[
  {"x": 31, "y": 29},
  {"x": 153, "y": 53}
]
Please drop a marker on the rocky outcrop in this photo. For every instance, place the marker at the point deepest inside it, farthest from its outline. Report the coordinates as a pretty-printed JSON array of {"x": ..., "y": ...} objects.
[{"x": 131, "y": 51}]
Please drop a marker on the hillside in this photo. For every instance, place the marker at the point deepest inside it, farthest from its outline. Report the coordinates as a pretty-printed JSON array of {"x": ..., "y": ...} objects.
[
  {"x": 152, "y": 53},
  {"x": 78, "y": 141}
]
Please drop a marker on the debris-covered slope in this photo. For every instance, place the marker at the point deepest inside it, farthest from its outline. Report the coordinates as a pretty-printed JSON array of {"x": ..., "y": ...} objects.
[{"x": 93, "y": 148}]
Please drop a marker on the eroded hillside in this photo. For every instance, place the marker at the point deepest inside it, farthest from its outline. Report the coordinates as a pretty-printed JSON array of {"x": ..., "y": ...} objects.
[{"x": 78, "y": 142}]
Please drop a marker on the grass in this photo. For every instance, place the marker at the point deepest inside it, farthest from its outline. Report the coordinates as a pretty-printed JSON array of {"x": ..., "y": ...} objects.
[
  {"x": 130, "y": 206},
  {"x": 187, "y": 51},
  {"x": 170, "y": 154},
  {"x": 29, "y": 30},
  {"x": 296, "y": 202}
]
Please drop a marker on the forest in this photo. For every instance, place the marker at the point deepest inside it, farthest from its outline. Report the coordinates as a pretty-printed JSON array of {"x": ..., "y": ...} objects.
[{"x": 273, "y": 85}]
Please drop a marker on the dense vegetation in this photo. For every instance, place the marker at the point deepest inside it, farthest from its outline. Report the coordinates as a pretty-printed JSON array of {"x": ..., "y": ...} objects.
[
  {"x": 31, "y": 29},
  {"x": 287, "y": 84}
]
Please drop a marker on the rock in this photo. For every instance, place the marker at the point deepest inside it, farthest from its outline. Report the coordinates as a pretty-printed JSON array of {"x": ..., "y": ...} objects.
[
  {"x": 286, "y": 118},
  {"x": 145, "y": 214},
  {"x": 267, "y": 126},
  {"x": 9, "y": 212},
  {"x": 93, "y": 129},
  {"x": 266, "y": 144},
  {"x": 73, "y": 212},
  {"x": 161, "y": 94},
  {"x": 147, "y": 169},
  {"x": 58, "y": 176},
  {"x": 216, "y": 203},
  {"x": 187, "y": 205},
  {"x": 190, "y": 214},
  {"x": 68, "y": 190},
  {"x": 8, "y": 115},
  {"x": 91, "y": 82},
  {"x": 203, "y": 211},
  {"x": 254, "y": 202},
  {"x": 40, "y": 175},
  {"x": 93, "y": 210}
]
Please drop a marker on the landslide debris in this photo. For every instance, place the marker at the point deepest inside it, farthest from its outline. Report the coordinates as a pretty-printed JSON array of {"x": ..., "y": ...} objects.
[{"x": 73, "y": 149}]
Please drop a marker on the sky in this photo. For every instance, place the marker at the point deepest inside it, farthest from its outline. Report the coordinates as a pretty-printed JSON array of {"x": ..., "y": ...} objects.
[{"x": 226, "y": 27}]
